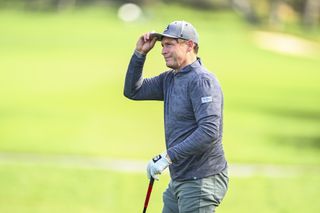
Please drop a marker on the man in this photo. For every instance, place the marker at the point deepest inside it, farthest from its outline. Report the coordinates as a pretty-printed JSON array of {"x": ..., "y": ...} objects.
[{"x": 193, "y": 105}]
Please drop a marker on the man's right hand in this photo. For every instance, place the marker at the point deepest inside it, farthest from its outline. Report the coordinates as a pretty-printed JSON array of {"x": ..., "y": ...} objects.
[{"x": 145, "y": 43}]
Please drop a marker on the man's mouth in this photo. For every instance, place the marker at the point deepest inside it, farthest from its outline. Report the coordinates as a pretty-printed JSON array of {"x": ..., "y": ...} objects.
[{"x": 167, "y": 58}]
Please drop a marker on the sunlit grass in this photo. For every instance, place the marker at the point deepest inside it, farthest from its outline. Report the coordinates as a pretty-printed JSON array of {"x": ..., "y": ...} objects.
[
  {"x": 62, "y": 81},
  {"x": 51, "y": 189}
]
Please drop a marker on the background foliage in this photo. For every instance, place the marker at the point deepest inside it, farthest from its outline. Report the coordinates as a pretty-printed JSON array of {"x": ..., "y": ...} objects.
[{"x": 273, "y": 12}]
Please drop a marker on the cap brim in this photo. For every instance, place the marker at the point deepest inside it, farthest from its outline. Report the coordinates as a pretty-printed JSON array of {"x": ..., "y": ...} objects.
[{"x": 159, "y": 36}]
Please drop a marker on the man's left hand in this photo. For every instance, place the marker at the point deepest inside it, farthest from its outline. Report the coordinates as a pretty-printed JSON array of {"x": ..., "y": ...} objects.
[{"x": 157, "y": 165}]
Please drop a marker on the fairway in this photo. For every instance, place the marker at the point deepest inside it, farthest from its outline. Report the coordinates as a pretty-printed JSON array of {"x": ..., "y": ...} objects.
[{"x": 61, "y": 92}]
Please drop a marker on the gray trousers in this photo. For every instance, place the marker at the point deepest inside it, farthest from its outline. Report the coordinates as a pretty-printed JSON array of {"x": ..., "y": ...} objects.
[{"x": 195, "y": 196}]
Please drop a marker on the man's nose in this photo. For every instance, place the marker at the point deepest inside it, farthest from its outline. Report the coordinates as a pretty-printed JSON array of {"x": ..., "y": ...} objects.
[{"x": 163, "y": 51}]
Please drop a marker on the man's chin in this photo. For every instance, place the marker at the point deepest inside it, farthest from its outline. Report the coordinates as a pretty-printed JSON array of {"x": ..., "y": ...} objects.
[{"x": 170, "y": 66}]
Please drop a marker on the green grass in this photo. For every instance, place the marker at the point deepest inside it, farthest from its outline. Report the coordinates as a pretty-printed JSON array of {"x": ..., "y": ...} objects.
[
  {"x": 61, "y": 83},
  {"x": 62, "y": 78},
  {"x": 261, "y": 194},
  {"x": 54, "y": 189}
]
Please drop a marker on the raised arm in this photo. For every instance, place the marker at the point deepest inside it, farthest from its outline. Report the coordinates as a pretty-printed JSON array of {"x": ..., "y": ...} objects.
[{"x": 136, "y": 87}]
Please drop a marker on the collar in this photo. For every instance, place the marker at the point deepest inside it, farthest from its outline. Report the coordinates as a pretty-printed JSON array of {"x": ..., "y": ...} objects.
[{"x": 197, "y": 63}]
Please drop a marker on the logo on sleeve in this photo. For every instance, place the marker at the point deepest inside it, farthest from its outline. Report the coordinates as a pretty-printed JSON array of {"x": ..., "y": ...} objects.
[{"x": 206, "y": 99}]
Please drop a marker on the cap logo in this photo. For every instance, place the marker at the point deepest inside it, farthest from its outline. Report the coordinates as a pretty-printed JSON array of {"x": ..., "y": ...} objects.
[{"x": 167, "y": 28}]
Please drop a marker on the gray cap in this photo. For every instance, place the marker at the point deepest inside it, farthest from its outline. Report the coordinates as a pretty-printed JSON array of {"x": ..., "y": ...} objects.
[{"x": 179, "y": 29}]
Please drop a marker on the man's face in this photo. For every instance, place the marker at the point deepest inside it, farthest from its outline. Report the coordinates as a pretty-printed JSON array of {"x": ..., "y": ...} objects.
[{"x": 174, "y": 52}]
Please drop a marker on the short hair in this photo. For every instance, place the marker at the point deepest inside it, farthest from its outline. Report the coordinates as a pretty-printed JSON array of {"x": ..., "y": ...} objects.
[{"x": 195, "y": 47}]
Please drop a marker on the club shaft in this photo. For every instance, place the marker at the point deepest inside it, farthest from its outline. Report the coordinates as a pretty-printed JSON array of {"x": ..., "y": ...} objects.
[{"x": 146, "y": 202}]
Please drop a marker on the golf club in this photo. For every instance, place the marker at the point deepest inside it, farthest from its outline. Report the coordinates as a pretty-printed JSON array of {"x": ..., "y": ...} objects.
[{"x": 148, "y": 195}]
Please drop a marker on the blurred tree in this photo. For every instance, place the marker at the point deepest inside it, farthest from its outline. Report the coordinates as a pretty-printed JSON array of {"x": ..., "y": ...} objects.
[
  {"x": 63, "y": 4},
  {"x": 246, "y": 8},
  {"x": 138, "y": 2},
  {"x": 311, "y": 13},
  {"x": 308, "y": 11},
  {"x": 274, "y": 12},
  {"x": 279, "y": 12},
  {"x": 49, "y": 4},
  {"x": 202, "y": 4}
]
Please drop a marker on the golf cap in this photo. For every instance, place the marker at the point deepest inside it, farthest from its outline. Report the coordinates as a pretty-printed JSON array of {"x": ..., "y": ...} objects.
[{"x": 179, "y": 29}]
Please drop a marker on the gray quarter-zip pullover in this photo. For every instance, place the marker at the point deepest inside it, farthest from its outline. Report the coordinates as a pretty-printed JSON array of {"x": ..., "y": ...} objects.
[{"x": 193, "y": 112}]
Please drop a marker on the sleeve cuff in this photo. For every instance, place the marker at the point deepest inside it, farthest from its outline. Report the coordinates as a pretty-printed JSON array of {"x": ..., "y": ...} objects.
[
  {"x": 171, "y": 156},
  {"x": 139, "y": 54}
]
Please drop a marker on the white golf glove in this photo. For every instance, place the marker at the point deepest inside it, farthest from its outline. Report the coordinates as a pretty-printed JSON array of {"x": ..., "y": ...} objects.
[{"x": 157, "y": 165}]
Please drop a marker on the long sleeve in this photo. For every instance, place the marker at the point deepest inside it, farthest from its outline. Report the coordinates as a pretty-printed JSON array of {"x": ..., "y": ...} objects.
[{"x": 138, "y": 88}]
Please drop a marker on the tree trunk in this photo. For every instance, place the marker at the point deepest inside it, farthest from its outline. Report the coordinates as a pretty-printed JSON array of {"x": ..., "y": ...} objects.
[
  {"x": 274, "y": 19},
  {"x": 65, "y": 4},
  {"x": 311, "y": 13},
  {"x": 245, "y": 8}
]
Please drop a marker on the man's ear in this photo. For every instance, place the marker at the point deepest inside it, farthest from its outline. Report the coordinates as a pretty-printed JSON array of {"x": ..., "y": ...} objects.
[{"x": 190, "y": 45}]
